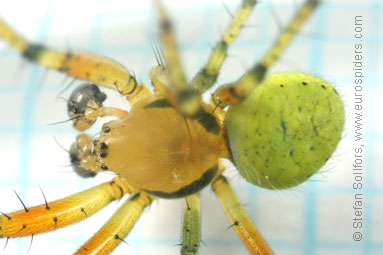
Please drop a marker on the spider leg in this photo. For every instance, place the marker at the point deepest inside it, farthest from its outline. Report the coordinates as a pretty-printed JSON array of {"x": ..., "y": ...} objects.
[
  {"x": 191, "y": 231},
  {"x": 117, "y": 227},
  {"x": 98, "y": 69},
  {"x": 239, "y": 90},
  {"x": 207, "y": 76},
  {"x": 63, "y": 212},
  {"x": 183, "y": 97},
  {"x": 239, "y": 218},
  {"x": 84, "y": 121}
]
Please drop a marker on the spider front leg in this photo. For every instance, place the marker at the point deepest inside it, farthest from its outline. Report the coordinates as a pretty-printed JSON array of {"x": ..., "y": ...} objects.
[
  {"x": 63, "y": 212},
  {"x": 86, "y": 66},
  {"x": 184, "y": 98},
  {"x": 208, "y": 75},
  {"x": 238, "y": 91}
]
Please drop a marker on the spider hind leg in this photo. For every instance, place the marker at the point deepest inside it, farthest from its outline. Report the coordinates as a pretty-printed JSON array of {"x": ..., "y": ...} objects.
[
  {"x": 86, "y": 66},
  {"x": 184, "y": 98}
]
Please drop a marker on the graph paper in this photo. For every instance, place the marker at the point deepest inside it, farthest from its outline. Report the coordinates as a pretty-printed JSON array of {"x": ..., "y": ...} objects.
[{"x": 314, "y": 218}]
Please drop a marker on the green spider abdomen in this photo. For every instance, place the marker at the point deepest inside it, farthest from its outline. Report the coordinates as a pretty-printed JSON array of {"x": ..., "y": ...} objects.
[{"x": 286, "y": 130}]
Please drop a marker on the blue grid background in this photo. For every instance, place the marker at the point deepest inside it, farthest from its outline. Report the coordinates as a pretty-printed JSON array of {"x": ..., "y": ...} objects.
[{"x": 315, "y": 218}]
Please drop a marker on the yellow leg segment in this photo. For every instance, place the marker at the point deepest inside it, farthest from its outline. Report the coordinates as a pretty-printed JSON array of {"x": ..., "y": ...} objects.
[
  {"x": 191, "y": 231},
  {"x": 14, "y": 39},
  {"x": 98, "y": 69},
  {"x": 84, "y": 121},
  {"x": 170, "y": 49},
  {"x": 117, "y": 228},
  {"x": 239, "y": 90},
  {"x": 63, "y": 212},
  {"x": 239, "y": 218},
  {"x": 207, "y": 76},
  {"x": 186, "y": 99}
]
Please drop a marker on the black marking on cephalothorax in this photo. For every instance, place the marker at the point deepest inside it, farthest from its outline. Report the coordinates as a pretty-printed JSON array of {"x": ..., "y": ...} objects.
[
  {"x": 209, "y": 122},
  {"x": 159, "y": 103},
  {"x": 191, "y": 188},
  {"x": 206, "y": 119}
]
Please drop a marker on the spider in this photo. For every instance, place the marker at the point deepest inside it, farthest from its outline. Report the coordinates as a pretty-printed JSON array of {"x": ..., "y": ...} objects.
[{"x": 278, "y": 130}]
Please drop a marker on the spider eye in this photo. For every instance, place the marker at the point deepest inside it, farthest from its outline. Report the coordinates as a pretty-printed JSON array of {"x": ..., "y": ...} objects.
[
  {"x": 84, "y": 96},
  {"x": 286, "y": 130}
]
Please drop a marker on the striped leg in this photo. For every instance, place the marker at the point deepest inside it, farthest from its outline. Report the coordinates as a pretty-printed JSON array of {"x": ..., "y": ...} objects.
[
  {"x": 191, "y": 231},
  {"x": 239, "y": 90},
  {"x": 117, "y": 227},
  {"x": 186, "y": 99},
  {"x": 208, "y": 75},
  {"x": 100, "y": 70},
  {"x": 63, "y": 212},
  {"x": 239, "y": 218}
]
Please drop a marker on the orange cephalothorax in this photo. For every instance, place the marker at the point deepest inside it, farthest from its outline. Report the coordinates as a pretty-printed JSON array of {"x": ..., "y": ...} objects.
[{"x": 160, "y": 151}]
